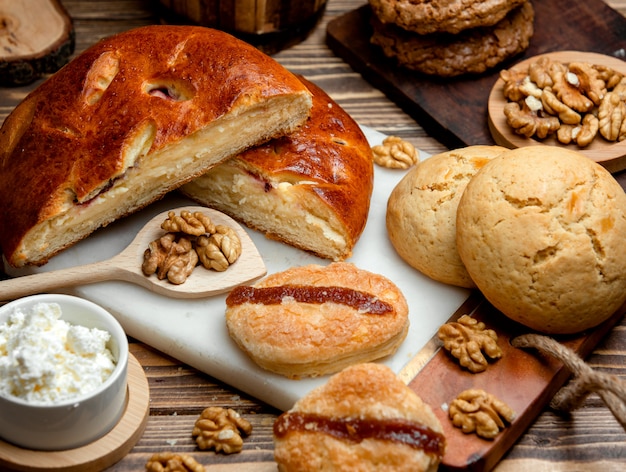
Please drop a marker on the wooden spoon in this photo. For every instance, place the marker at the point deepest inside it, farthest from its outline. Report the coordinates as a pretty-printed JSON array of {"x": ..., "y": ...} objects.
[{"x": 127, "y": 266}]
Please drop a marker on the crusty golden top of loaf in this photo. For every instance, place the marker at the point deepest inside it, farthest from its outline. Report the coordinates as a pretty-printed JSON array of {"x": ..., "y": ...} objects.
[
  {"x": 146, "y": 89},
  {"x": 330, "y": 154}
]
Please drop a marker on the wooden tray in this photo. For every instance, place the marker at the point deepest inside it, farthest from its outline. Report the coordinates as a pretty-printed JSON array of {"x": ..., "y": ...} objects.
[
  {"x": 523, "y": 379},
  {"x": 99, "y": 454},
  {"x": 611, "y": 155},
  {"x": 455, "y": 110}
]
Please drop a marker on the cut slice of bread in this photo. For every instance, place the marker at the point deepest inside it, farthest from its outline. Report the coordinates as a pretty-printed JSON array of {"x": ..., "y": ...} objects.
[
  {"x": 131, "y": 118},
  {"x": 310, "y": 189}
]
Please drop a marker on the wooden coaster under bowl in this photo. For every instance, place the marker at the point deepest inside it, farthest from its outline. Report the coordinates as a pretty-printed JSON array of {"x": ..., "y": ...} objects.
[
  {"x": 99, "y": 454},
  {"x": 611, "y": 155}
]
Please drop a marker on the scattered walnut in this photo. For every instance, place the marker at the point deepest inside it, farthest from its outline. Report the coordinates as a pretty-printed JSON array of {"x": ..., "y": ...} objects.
[
  {"x": 170, "y": 258},
  {"x": 219, "y": 250},
  {"x": 171, "y": 462},
  {"x": 466, "y": 339},
  {"x": 219, "y": 429},
  {"x": 477, "y": 411},
  {"x": 395, "y": 153},
  {"x": 575, "y": 101}
]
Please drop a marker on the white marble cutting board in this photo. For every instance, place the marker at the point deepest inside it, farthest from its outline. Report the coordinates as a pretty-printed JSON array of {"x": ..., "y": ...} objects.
[{"x": 194, "y": 331}]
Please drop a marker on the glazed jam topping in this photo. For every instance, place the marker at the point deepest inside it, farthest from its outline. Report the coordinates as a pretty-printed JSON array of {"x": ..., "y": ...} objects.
[
  {"x": 363, "y": 302},
  {"x": 397, "y": 430}
]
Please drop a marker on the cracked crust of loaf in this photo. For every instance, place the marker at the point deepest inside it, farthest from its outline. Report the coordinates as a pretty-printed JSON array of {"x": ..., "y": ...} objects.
[
  {"x": 472, "y": 51},
  {"x": 129, "y": 119},
  {"x": 421, "y": 212},
  {"x": 541, "y": 231},
  {"x": 299, "y": 339},
  {"x": 310, "y": 189},
  {"x": 364, "y": 391},
  {"x": 442, "y": 16}
]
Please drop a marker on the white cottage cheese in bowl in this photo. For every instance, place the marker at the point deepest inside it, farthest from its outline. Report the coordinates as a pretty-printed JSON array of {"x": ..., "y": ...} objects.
[
  {"x": 63, "y": 372},
  {"x": 44, "y": 359}
]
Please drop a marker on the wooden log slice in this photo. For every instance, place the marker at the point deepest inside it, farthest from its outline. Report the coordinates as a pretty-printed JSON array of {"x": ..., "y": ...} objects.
[{"x": 36, "y": 38}]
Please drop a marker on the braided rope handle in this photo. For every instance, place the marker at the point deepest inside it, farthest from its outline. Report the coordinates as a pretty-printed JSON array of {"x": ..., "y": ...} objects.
[{"x": 611, "y": 389}]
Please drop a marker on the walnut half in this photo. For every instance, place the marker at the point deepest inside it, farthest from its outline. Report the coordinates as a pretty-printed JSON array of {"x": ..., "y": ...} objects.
[
  {"x": 467, "y": 339},
  {"x": 395, "y": 153},
  {"x": 221, "y": 429},
  {"x": 171, "y": 462},
  {"x": 475, "y": 410},
  {"x": 219, "y": 250},
  {"x": 170, "y": 258},
  {"x": 191, "y": 238}
]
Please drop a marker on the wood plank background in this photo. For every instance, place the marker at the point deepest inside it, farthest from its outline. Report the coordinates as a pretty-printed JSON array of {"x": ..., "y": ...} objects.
[{"x": 589, "y": 440}]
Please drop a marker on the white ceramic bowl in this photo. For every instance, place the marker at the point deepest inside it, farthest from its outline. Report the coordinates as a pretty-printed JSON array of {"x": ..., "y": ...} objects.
[{"x": 83, "y": 419}]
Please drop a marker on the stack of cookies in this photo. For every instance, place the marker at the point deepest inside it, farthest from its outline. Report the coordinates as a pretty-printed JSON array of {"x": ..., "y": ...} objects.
[{"x": 448, "y": 38}]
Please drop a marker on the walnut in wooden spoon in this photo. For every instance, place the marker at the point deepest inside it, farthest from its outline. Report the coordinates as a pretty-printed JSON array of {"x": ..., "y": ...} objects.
[{"x": 127, "y": 266}]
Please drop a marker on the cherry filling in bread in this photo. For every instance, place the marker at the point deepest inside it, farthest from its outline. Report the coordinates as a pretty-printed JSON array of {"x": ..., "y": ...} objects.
[
  {"x": 360, "y": 301},
  {"x": 171, "y": 91},
  {"x": 398, "y": 430}
]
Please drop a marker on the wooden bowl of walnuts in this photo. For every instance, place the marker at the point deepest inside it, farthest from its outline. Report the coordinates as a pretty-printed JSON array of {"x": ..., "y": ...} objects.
[{"x": 572, "y": 99}]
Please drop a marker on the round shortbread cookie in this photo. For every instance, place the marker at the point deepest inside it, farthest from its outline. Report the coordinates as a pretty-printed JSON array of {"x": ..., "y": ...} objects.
[
  {"x": 448, "y": 55},
  {"x": 541, "y": 231},
  {"x": 442, "y": 16},
  {"x": 421, "y": 212}
]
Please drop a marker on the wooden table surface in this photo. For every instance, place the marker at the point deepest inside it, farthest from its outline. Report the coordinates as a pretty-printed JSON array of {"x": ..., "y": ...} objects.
[{"x": 591, "y": 439}]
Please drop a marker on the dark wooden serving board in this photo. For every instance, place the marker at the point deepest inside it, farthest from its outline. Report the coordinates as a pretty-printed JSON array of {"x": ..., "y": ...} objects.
[{"x": 454, "y": 111}]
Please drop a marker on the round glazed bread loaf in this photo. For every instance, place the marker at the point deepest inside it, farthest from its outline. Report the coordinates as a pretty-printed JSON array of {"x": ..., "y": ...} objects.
[
  {"x": 132, "y": 117},
  {"x": 541, "y": 231},
  {"x": 421, "y": 212},
  {"x": 310, "y": 189},
  {"x": 315, "y": 320},
  {"x": 364, "y": 418}
]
